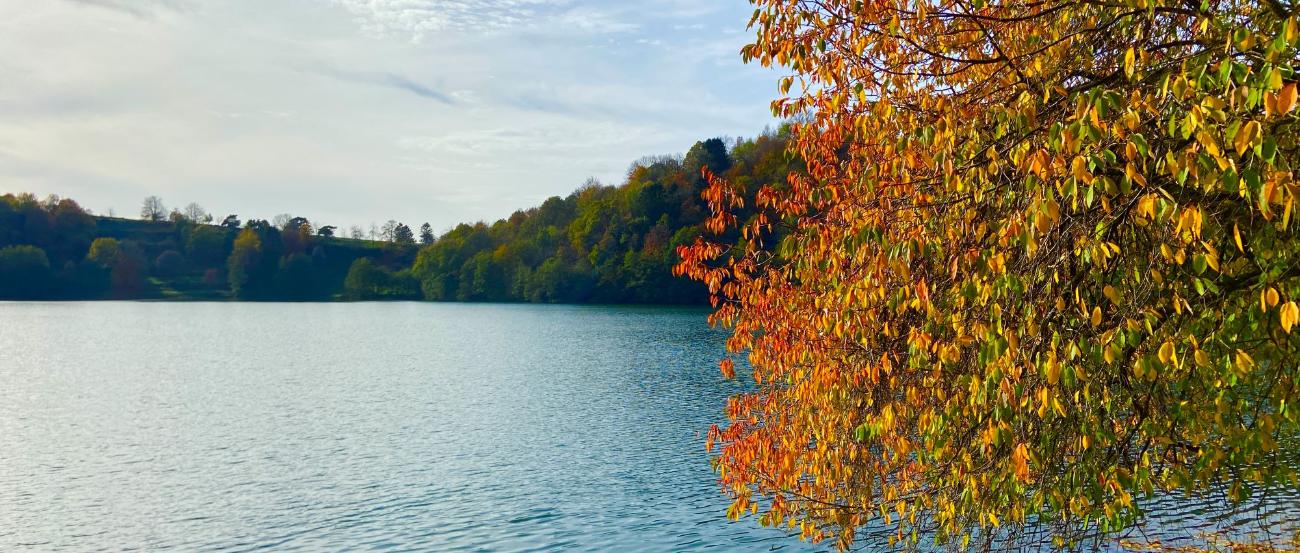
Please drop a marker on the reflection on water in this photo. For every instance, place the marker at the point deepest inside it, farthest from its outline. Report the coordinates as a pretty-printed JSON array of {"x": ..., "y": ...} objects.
[{"x": 243, "y": 426}]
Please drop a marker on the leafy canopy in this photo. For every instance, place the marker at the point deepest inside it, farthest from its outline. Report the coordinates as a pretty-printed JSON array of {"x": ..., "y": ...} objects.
[{"x": 1042, "y": 263}]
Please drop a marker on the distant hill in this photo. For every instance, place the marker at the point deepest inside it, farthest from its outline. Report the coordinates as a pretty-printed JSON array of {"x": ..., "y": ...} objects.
[
  {"x": 52, "y": 249},
  {"x": 607, "y": 244}
]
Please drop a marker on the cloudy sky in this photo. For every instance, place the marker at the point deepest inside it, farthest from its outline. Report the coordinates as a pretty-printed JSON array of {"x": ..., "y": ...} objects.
[{"x": 353, "y": 111}]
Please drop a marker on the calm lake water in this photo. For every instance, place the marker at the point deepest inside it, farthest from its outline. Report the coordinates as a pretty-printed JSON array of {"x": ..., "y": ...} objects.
[
  {"x": 241, "y": 426},
  {"x": 403, "y": 426}
]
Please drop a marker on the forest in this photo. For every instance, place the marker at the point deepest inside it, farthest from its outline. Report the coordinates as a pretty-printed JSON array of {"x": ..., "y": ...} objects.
[
  {"x": 1040, "y": 270},
  {"x": 599, "y": 244}
]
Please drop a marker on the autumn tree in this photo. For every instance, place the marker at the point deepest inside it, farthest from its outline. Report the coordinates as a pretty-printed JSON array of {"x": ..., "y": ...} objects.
[
  {"x": 426, "y": 234},
  {"x": 153, "y": 209},
  {"x": 104, "y": 252},
  {"x": 244, "y": 258},
  {"x": 1040, "y": 266},
  {"x": 127, "y": 275}
]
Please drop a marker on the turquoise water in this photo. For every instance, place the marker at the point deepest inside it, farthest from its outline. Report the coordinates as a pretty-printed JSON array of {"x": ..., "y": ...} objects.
[
  {"x": 399, "y": 426},
  {"x": 242, "y": 426}
]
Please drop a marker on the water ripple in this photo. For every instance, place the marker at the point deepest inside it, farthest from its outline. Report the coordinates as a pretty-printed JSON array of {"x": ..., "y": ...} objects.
[{"x": 385, "y": 427}]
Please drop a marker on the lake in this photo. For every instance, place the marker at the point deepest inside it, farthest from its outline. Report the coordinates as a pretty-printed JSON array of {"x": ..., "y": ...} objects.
[
  {"x": 402, "y": 426},
  {"x": 241, "y": 426}
]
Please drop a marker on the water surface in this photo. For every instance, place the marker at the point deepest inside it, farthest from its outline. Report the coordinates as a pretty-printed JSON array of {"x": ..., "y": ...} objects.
[
  {"x": 241, "y": 426},
  {"x": 402, "y": 426}
]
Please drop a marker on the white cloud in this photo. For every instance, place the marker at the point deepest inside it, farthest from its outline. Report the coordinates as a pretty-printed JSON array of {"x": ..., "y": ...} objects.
[
  {"x": 139, "y": 8},
  {"x": 350, "y": 111},
  {"x": 417, "y": 18},
  {"x": 503, "y": 143}
]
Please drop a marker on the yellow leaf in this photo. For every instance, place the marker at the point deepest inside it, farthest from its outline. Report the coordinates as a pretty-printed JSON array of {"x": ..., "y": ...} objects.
[
  {"x": 1246, "y": 136},
  {"x": 1202, "y": 358},
  {"x": 1208, "y": 142},
  {"x": 1244, "y": 361},
  {"x": 1286, "y": 99},
  {"x": 1079, "y": 167},
  {"x": 1020, "y": 461},
  {"x": 1053, "y": 371},
  {"x": 1290, "y": 314},
  {"x": 1236, "y": 235},
  {"x": 1166, "y": 352},
  {"x": 1272, "y": 297},
  {"x": 1147, "y": 206},
  {"x": 1096, "y": 316},
  {"x": 1111, "y": 294}
]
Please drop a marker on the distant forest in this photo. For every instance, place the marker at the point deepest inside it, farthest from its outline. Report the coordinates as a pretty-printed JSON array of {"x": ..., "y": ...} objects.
[{"x": 600, "y": 244}]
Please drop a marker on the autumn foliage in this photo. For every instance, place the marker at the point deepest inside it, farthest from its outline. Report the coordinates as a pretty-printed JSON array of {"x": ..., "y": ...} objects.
[{"x": 1042, "y": 264}]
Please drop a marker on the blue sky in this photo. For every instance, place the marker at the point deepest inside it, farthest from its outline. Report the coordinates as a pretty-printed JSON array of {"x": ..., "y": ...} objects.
[{"x": 353, "y": 111}]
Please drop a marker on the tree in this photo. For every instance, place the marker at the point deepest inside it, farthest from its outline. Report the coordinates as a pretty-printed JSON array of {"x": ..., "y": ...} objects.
[
  {"x": 245, "y": 255},
  {"x": 388, "y": 233},
  {"x": 72, "y": 229},
  {"x": 207, "y": 245},
  {"x": 169, "y": 263},
  {"x": 355, "y": 233},
  {"x": 281, "y": 220},
  {"x": 296, "y": 278},
  {"x": 402, "y": 235},
  {"x": 104, "y": 252},
  {"x": 212, "y": 278},
  {"x": 1040, "y": 264},
  {"x": 231, "y": 222},
  {"x": 153, "y": 209},
  {"x": 326, "y": 231},
  {"x": 709, "y": 154},
  {"x": 300, "y": 224},
  {"x": 426, "y": 234},
  {"x": 195, "y": 212},
  {"x": 365, "y": 280},
  {"x": 24, "y": 273},
  {"x": 127, "y": 277}
]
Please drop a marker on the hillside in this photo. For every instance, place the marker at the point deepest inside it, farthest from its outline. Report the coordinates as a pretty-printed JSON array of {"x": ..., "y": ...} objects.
[{"x": 606, "y": 244}]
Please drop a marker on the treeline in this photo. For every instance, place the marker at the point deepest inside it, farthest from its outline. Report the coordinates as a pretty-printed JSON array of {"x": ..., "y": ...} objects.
[
  {"x": 52, "y": 248},
  {"x": 606, "y": 244},
  {"x": 601, "y": 244}
]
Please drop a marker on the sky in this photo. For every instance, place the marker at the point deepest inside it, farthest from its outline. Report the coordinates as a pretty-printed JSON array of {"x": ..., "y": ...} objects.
[{"x": 357, "y": 111}]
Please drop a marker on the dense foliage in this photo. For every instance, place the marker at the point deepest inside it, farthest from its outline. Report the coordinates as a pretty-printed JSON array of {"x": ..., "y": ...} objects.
[
  {"x": 1041, "y": 266},
  {"x": 53, "y": 249},
  {"x": 602, "y": 243},
  {"x": 599, "y": 244}
]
